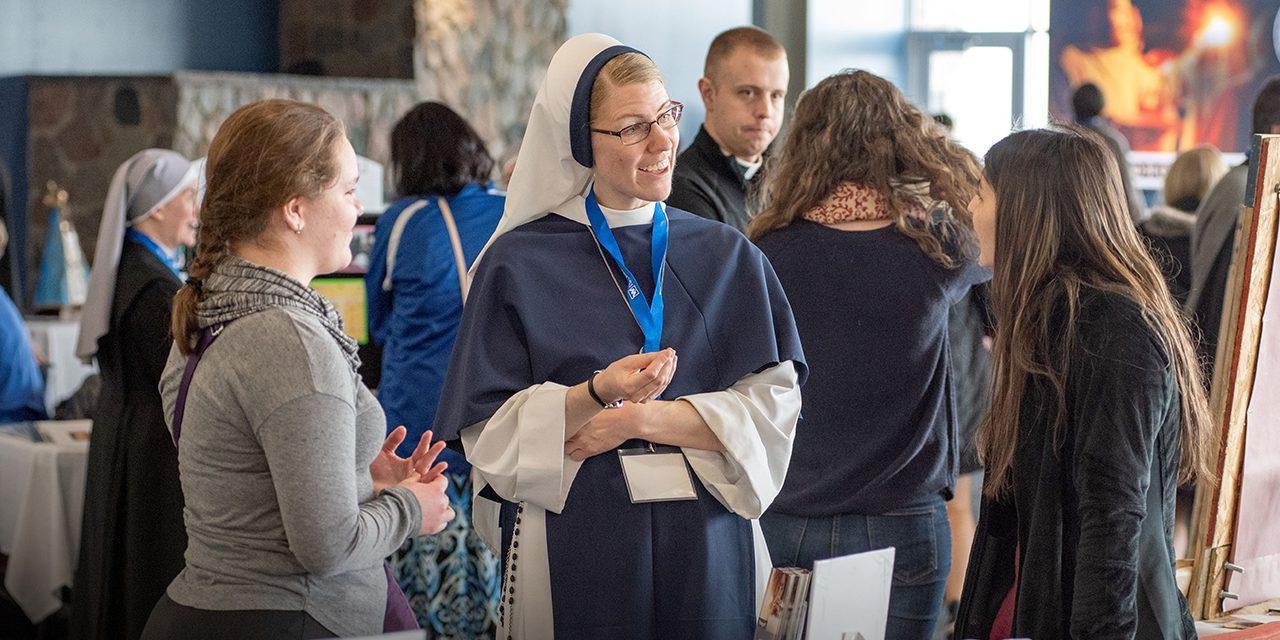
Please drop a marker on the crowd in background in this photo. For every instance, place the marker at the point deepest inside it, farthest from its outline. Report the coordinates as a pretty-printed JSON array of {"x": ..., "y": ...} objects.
[{"x": 845, "y": 336}]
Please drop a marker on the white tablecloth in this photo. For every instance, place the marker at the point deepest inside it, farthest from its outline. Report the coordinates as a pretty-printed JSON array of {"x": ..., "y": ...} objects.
[
  {"x": 41, "y": 503},
  {"x": 54, "y": 340}
]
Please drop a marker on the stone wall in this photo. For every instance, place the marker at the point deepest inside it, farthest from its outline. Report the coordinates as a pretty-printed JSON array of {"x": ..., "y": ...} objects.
[
  {"x": 486, "y": 59},
  {"x": 80, "y": 130},
  {"x": 348, "y": 38},
  {"x": 368, "y": 107}
]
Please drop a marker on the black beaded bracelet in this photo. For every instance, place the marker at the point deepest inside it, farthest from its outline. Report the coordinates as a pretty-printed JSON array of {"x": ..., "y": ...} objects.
[{"x": 591, "y": 389}]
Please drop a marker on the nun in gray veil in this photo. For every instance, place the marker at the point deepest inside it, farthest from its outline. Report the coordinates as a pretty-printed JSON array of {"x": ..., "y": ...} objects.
[{"x": 132, "y": 537}]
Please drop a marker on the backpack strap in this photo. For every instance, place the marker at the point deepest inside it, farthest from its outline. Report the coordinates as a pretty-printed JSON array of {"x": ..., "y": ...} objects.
[
  {"x": 393, "y": 243},
  {"x": 459, "y": 260},
  {"x": 207, "y": 337}
]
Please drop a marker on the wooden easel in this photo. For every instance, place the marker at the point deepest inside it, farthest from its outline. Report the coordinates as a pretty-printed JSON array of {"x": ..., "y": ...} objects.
[{"x": 1216, "y": 507}]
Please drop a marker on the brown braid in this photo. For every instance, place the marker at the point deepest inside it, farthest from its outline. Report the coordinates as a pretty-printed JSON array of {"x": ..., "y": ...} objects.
[{"x": 265, "y": 154}]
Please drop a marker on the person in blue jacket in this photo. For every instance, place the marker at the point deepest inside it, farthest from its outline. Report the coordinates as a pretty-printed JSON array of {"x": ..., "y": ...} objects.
[
  {"x": 21, "y": 385},
  {"x": 416, "y": 286}
]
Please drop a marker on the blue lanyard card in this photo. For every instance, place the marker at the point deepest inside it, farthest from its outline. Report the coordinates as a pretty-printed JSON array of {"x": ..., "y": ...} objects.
[{"x": 647, "y": 314}]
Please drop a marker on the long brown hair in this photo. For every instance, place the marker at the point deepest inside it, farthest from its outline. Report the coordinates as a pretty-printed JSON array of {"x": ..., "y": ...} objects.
[
  {"x": 1062, "y": 230},
  {"x": 265, "y": 154},
  {"x": 857, "y": 127}
]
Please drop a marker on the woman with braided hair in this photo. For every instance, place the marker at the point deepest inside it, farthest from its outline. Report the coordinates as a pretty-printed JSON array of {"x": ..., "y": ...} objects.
[{"x": 293, "y": 497}]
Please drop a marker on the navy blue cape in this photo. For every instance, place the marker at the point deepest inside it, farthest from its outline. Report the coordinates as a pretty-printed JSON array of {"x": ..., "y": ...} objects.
[{"x": 544, "y": 308}]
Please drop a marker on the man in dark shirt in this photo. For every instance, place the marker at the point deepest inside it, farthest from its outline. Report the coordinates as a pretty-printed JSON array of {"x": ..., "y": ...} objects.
[
  {"x": 1213, "y": 237},
  {"x": 1088, "y": 103},
  {"x": 743, "y": 87}
]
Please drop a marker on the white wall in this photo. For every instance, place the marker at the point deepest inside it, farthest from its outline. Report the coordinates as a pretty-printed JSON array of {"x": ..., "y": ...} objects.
[
  {"x": 675, "y": 34},
  {"x": 861, "y": 34}
]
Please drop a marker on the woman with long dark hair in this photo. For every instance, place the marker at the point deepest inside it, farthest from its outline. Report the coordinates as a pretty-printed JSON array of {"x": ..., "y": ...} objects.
[
  {"x": 1097, "y": 409},
  {"x": 864, "y": 220},
  {"x": 416, "y": 285}
]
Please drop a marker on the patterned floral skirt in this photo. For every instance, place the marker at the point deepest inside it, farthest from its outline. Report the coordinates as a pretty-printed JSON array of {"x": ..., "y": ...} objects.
[{"x": 452, "y": 580}]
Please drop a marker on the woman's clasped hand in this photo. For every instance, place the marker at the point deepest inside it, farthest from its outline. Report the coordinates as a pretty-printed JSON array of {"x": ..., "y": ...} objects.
[{"x": 419, "y": 473}]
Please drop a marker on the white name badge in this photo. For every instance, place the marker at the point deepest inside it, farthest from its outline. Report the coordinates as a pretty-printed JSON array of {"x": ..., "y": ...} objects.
[{"x": 656, "y": 477}]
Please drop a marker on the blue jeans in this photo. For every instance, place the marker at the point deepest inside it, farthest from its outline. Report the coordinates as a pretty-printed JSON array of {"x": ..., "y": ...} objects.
[{"x": 920, "y": 536}]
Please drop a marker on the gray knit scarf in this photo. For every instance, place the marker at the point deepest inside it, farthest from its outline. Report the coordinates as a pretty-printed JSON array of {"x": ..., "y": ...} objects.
[{"x": 238, "y": 288}]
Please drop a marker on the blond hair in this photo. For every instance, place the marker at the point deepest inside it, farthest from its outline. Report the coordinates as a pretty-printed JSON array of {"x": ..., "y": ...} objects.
[
  {"x": 624, "y": 70},
  {"x": 758, "y": 40},
  {"x": 1193, "y": 174}
]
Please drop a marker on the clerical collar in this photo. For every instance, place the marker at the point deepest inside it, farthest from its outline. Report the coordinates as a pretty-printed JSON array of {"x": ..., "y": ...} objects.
[
  {"x": 745, "y": 169},
  {"x": 748, "y": 169},
  {"x": 576, "y": 210}
]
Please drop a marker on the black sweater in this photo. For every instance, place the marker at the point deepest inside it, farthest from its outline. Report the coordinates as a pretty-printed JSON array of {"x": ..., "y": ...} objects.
[
  {"x": 709, "y": 183},
  {"x": 1091, "y": 521},
  {"x": 878, "y": 429},
  {"x": 134, "y": 537}
]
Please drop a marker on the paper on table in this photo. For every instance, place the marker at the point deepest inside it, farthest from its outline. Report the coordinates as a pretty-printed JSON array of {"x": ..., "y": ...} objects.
[{"x": 850, "y": 596}]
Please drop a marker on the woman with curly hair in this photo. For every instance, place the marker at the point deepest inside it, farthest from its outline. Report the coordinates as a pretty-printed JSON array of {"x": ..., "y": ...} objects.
[{"x": 864, "y": 218}]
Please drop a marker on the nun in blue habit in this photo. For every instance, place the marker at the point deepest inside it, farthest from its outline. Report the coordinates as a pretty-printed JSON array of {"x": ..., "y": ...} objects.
[{"x": 635, "y": 520}]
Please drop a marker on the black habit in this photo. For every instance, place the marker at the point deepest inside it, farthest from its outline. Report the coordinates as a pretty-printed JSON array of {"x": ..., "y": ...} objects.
[
  {"x": 709, "y": 183},
  {"x": 132, "y": 537},
  {"x": 1090, "y": 522}
]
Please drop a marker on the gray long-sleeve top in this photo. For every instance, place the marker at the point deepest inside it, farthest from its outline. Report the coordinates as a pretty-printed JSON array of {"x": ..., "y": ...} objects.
[{"x": 281, "y": 512}]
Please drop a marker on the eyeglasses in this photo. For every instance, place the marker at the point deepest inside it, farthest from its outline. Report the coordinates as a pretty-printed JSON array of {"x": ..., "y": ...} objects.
[{"x": 639, "y": 131}]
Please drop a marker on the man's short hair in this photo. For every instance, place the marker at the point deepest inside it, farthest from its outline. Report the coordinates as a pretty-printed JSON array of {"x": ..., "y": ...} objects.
[
  {"x": 724, "y": 45},
  {"x": 1266, "y": 107},
  {"x": 1087, "y": 101}
]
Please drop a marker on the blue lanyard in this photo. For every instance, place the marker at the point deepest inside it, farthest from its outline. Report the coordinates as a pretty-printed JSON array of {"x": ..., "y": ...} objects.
[
  {"x": 647, "y": 315},
  {"x": 142, "y": 239}
]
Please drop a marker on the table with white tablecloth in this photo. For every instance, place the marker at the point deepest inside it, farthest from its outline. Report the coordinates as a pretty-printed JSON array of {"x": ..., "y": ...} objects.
[
  {"x": 54, "y": 341},
  {"x": 41, "y": 503}
]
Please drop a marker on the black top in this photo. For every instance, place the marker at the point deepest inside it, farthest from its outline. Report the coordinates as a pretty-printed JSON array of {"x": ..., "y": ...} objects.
[
  {"x": 710, "y": 184},
  {"x": 1216, "y": 222},
  {"x": 877, "y": 429},
  {"x": 970, "y": 324},
  {"x": 1173, "y": 255},
  {"x": 1092, "y": 519},
  {"x": 1207, "y": 313},
  {"x": 133, "y": 536}
]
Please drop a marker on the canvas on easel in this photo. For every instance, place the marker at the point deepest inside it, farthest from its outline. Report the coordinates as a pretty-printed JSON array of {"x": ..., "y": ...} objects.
[{"x": 1236, "y": 534}]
